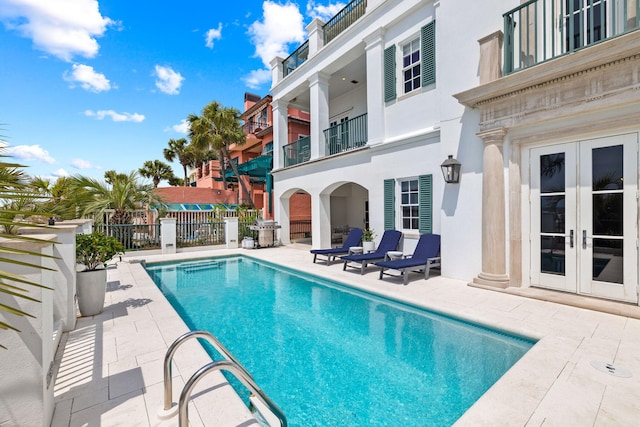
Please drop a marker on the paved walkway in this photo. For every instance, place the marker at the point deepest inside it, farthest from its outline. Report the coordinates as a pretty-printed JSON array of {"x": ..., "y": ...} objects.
[{"x": 111, "y": 370}]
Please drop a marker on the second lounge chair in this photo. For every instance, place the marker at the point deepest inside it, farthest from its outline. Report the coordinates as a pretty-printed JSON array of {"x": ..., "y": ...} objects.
[{"x": 389, "y": 242}]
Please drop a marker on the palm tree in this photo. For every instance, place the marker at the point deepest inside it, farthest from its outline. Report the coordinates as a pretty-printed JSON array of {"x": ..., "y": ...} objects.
[
  {"x": 57, "y": 198},
  {"x": 217, "y": 129},
  {"x": 179, "y": 149},
  {"x": 122, "y": 192},
  {"x": 156, "y": 170}
]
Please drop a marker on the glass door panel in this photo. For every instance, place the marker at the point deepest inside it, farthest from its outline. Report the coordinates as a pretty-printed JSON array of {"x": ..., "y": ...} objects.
[{"x": 608, "y": 217}]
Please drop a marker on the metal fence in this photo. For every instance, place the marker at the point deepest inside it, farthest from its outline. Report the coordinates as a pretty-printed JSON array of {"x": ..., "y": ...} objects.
[
  {"x": 299, "y": 229},
  {"x": 134, "y": 237},
  {"x": 199, "y": 233}
]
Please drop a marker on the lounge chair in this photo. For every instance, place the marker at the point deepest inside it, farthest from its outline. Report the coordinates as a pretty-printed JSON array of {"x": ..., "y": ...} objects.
[
  {"x": 425, "y": 256},
  {"x": 389, "y": 242},
  {"x": 353, "y": 239}
]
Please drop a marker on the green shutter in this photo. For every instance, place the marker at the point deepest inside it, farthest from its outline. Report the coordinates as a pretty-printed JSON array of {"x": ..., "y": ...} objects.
[
  {"x": 428, "y": 53},
  {"x": 425, "y": 196},
  {"x": 390, "y": 73},
  {"x": 389, "y": 204}
]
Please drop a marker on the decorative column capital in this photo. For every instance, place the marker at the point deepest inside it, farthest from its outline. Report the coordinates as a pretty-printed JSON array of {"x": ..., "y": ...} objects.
[
  {"x": 375, "y": 38},
  {"x": 493, "y": 136},
  {"x": 319, "y": 78}
]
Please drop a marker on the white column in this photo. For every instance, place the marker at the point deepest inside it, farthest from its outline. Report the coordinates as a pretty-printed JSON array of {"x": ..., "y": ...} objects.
[
  {"x": 321, "y": 221},
  {"x": 374, "y": 46},
  {"x": 316, "y": 36},
  {"x": 494, "y": 272},
  {"x": 319, "y": 110},
  {"x": 279, "y": 110},
  {"x": 168, "y": 233},
  {"x": 281, "y": 214}
]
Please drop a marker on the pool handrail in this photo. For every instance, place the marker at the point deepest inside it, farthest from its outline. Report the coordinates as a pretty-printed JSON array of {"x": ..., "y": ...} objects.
[
  {"x": 168, "y": 381},
  {"x": 241, "y": 374}
]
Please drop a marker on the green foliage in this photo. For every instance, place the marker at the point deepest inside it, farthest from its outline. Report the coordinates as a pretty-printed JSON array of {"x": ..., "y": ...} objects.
[
  {"x": 156, "y": 170},
  {"x": 368, "y": 234},
  {"x": 95, "y": 249}
]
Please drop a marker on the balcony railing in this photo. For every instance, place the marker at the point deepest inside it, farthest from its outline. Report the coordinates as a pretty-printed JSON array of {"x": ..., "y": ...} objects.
[
  {"x": 346, "y": 136},
  {"x": 541, "y": 30},
  {"x": 343, "y": 19},
  {"x": 297, "y": 152},
  {"x": 255, "y": 126},
  {"x": 296, "y": 59}
]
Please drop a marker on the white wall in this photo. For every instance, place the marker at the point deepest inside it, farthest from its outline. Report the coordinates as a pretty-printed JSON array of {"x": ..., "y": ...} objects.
[{"x": 25, "y": 397}]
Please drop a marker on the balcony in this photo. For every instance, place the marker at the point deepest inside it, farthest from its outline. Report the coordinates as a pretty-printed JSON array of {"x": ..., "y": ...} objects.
[
  {"x": 343, "y": 19},
  {"x": 296, "y": 59},
  {"x": 346, "y": 136},
  {"x": 252, "y": 127},
  {"x": 297, "y": 152},
  {"x": 336, "y": 25},
  {"x": 541, "y": 30}
]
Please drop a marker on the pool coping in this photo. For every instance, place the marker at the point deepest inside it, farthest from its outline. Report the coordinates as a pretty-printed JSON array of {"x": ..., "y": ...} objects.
[{"x": 553, "y": 383}]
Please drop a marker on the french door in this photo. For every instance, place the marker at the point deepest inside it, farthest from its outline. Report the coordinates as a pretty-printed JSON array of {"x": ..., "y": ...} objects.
[{"x": 584, "y": 217}]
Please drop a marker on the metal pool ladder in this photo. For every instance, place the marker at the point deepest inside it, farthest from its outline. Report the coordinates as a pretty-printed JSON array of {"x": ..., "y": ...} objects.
[{"x": 231, "y": 364}]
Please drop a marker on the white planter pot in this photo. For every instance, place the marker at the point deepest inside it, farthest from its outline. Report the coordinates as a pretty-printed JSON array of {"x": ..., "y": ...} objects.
[
  {"x": 368, "y": 247},
  {"x": 91, "y": 289}
]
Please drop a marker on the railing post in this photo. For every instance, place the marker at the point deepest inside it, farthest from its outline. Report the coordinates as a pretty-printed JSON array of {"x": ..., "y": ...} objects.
[
  {"x": 231, "y": 232},
  {"x": 316, "y": 36},
  {"x": 277, "y": 70},
  {"x": 168, "y": 235}
]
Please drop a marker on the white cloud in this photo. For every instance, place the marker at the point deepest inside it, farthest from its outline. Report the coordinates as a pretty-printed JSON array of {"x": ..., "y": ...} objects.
[
  {"x": 256, "y": 78},
  {"x": 81, "y": 164},
  {"x": 213, "y": 34},
  {"x": 63, "y": 28},
  {"x": 60, "y": 173},
  {"x": 116, "y": 117},
  {"x": 281, "y": 25},
  {"x": 323, "y": 12},
  {"x": 30, "y": 152},
  {"x": 88, "y": 78},
  {"x": 168, "y": 81},
  {"x": 182, "y": 127}
]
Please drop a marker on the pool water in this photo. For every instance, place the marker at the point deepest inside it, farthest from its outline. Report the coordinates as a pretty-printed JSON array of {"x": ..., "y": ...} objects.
[{"x": 329, "y": 355}]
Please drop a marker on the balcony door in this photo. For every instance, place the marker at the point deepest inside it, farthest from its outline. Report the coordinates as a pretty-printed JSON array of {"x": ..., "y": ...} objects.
[
  {"x": 584, "y": 22},
  {"x": 583, "y": 211},
  {"x": 338, "y": 135}
]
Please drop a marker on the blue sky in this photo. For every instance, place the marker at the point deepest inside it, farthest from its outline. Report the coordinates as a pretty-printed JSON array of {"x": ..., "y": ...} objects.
[{"x": 88, "y": 86}]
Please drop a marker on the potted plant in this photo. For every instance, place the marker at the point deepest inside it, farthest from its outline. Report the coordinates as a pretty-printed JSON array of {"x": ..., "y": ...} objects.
[
  {"x": 368, "y": 245},
  {"x": 92, "y": 253}
]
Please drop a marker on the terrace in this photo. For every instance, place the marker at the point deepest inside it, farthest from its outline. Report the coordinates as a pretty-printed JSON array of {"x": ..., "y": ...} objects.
[{"x": 119, "y": 382}]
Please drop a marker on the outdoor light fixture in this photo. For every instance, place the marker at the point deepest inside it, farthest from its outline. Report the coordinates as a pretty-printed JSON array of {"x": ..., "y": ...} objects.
[{"x": 451, "y": 170}]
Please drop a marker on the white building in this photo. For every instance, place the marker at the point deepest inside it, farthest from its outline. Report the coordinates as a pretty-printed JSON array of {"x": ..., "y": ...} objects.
[{"x": 544, "y": 124}]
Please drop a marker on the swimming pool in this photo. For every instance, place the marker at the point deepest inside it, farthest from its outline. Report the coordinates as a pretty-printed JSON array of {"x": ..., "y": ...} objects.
[{"x": 329, "y": 355}]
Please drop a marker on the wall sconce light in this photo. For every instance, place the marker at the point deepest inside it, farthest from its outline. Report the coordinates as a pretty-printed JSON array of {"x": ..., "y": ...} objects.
[
  {"x": 218, "y": 192},
  {"x": 451, "y": 170}
]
